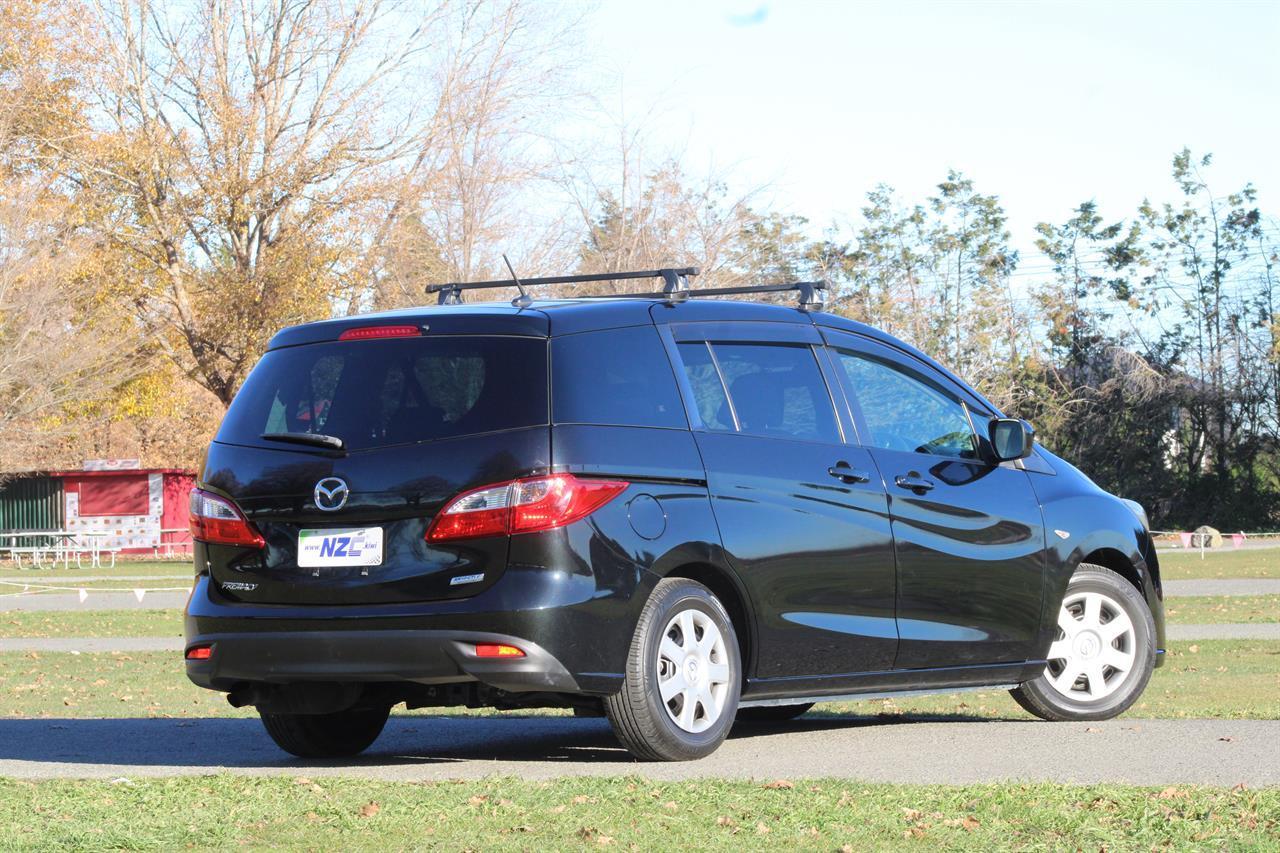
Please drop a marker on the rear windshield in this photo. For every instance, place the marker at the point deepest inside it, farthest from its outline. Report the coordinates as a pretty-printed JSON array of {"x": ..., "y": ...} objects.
[{"x": 396, "y": 391}]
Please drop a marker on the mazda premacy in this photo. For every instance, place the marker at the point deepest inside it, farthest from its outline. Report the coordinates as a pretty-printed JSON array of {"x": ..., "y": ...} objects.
[{"x": 669, "y": 508}]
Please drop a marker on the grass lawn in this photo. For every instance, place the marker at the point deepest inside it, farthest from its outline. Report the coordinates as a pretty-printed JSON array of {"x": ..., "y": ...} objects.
[
  {"x": 1223, "y": 678},
  {"x": 514, "y": 814},
  {"x": 1223, "y": 608},
  {"x": 1227, "y": 563},
  {"x": 165, "y": 622},
  {"x": 144, "y": 684}
]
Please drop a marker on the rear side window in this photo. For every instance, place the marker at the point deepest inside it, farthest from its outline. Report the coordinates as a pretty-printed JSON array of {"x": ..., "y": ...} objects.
[
  {"x": 618, "y": 377},
  {"x": 396, "y": 391},
  {"x": 708, "y": 390},
  {"x": 776, "y": 390}
]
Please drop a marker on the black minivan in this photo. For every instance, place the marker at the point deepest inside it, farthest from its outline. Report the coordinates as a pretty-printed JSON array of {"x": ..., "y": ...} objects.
[{"x": 675, "y": 511}]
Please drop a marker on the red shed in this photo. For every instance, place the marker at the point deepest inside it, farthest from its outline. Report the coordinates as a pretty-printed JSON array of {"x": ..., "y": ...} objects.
[{"x": 141, "y": 510}]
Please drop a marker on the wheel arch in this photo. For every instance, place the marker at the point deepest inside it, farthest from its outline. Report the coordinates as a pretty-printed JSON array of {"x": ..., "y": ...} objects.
[
  {"x": 1116, "y": 561},
  {"x": 727, "y": 588}
]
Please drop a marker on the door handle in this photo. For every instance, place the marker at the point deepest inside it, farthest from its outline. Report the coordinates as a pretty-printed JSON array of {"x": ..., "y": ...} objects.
[
  {"x": 842, "y": 472},
  {"x": 913, "y": 481}
]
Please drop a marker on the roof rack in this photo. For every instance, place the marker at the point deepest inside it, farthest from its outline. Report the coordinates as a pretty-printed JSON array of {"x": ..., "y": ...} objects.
[
  {"x": 675, "y": 287},
  {"x": 673, "y": 281},
  {"x": 811, "y": 293}
]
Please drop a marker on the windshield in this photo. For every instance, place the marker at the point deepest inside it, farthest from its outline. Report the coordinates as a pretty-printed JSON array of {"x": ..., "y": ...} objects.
[{"x": 377, "y": 393}]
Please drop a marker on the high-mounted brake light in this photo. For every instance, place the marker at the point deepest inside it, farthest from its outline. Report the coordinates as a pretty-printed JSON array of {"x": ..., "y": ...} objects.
[
  {"x": 497, "y": 650},
  {"x": 364, "y": 333},
  {"x": 522, "y": 506},
  {"x": 219, "y": 521}
]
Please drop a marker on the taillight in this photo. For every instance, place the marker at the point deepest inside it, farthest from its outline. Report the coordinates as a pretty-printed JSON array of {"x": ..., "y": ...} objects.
[
  {"x": 219, "y": 521},
  {"x": 522, "y": 506},
  {"x": 364, "y": 333},
  {"x": 201, "y": 652}
]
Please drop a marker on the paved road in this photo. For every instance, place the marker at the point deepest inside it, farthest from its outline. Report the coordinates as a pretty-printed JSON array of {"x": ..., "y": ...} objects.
[
  {"x": 1223, "y": 586},
  {"x": 91, "y": 644},
  {"x": 97, "y": 600},
  {"x": 1147, "y": 752},
  {"x": 71, "y": 580}
]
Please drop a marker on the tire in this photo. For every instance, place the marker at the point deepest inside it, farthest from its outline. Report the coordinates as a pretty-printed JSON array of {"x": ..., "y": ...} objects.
[
  {"x": 772, "y": 713},
  {"x": 700, "y": 669},
  {"x": 1111, "y": 652},
  {"x": 339, "y": 735}
]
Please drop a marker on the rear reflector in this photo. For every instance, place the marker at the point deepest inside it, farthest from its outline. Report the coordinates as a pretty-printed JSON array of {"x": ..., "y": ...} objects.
[
  {"x": 364, "y": 333},
  {"x": 200, "y": 652},
  {"x": 522, "y": 506},
  {"x": 497, "y": 650},
  {"x": 219, "y": 521}
]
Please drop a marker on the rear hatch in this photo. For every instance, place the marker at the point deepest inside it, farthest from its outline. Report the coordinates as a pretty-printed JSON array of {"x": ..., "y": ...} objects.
[{"x": 420, "y": 418}]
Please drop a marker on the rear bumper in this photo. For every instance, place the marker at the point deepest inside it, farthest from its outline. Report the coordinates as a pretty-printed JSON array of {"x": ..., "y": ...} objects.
[
  {"x": 420, "y": 656},
  {"x": 574, "y": 630}
]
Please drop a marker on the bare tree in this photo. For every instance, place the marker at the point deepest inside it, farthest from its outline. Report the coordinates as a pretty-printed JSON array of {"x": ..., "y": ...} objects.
[
  {"x": 636, "y": 211},
  {"x": 505, "y": 88}
]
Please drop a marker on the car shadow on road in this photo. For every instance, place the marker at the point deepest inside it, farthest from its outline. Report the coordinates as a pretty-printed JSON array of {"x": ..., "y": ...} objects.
[{"x": 214, "y": 743}]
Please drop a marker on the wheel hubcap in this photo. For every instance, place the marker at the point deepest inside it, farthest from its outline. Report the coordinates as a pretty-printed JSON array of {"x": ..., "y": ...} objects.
[
  {"x": 1095, "y": 650},
  {"x": 693, "y": 671}
]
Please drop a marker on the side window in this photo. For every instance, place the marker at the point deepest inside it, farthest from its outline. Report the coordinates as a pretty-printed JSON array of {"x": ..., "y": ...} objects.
[
  {"x": 904, "y": 412},
  {"x": 708, "y": 390},
  {"x": 618, "y": 377},
  {"x": 778, "y": 390}
]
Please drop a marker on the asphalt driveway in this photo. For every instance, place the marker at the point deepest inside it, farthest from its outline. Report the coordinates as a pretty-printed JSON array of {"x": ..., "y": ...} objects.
[{"x": 872, "y": 749}]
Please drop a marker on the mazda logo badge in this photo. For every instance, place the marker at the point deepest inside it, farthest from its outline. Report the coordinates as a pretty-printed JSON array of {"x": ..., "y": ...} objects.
[{"x": 331, "y": 494}]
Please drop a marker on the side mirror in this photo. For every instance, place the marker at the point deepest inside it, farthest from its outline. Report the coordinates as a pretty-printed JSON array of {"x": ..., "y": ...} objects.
[{"x": 1011, "y": 438}]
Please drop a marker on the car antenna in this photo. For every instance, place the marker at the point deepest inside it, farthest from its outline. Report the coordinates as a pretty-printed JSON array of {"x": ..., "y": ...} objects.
[{"x": 523, "y": 300}]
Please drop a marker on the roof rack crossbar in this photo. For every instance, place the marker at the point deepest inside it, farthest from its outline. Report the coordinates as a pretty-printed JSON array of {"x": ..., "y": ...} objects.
[
  {"x": 674, "y": 280},
  {"x": 812, "y": 293}
]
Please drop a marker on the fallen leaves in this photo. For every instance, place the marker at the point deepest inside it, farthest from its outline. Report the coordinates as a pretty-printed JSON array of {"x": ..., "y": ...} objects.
[
  {"x": 779, "y": 785},
  {"x": 370, "y": 809},
  {"x": 590, "y": 833}
]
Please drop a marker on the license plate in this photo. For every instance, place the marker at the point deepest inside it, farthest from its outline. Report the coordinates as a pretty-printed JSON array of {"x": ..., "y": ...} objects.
[{"x": 352, "y": 546}]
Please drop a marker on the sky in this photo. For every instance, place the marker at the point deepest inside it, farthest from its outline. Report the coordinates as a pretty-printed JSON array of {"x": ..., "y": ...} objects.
[{"x": 1043, "y": 104}]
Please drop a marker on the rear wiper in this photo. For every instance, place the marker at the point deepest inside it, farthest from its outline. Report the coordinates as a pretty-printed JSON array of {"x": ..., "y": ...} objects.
[{"x": 314, "y": 438}]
